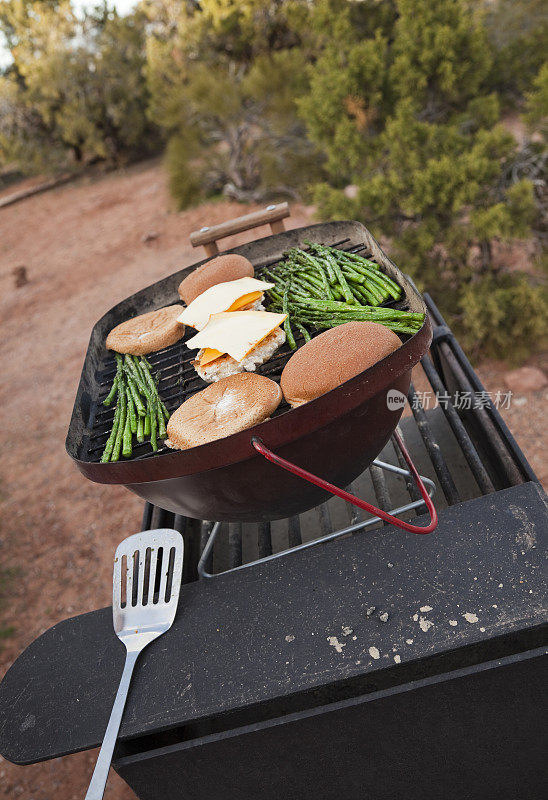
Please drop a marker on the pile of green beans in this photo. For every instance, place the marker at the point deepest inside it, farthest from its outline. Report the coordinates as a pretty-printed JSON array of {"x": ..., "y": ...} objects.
[
  {"x": 323, "y": 287},
  {"x": 140, "y": 411}
]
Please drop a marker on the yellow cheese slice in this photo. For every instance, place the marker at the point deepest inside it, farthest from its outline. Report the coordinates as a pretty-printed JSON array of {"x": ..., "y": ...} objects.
[
  {"x": 236, "y": 332},
  {"x": 221, "y": 297},
  {"x": 209, "y": 355},
  {"x": 245, "y": 300}
]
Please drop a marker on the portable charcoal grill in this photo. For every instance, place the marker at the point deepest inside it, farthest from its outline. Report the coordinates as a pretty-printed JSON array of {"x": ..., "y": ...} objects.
[
  {"x": 233, "y": 478},
  {"x": 377, "y": 665}
]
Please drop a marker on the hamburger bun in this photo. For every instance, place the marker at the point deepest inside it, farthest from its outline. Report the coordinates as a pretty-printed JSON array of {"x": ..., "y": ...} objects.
[
  {"x": 219, "y": 270},
  {"x": 334, "y": 357},
  {"x": 228, "y": 406},
  {"x": 147, "y": 333}
]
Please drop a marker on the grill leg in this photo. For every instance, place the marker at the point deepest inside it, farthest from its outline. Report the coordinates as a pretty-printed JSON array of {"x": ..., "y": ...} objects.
[
  {"x": 234, "y": 545},
  {"x": 294, "y": 531},
  {"x": 264, "y": 539}
]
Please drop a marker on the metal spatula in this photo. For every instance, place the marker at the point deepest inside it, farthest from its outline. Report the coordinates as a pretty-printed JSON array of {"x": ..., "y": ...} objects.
[{"x": 145, "y": 592}]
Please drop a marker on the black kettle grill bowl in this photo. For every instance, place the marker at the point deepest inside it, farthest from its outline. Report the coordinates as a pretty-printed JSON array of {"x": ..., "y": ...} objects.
[{"x": 335, "y": 436}]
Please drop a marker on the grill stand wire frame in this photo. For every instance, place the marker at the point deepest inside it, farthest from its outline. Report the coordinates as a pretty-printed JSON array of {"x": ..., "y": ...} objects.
[
  {"x": 383, "y": 465},
  {"x": 404, "y": 457}
]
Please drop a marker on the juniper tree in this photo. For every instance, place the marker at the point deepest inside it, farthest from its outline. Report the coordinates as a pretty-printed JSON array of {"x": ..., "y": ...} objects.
[
  {"x": 412, "y": 121},
  {"x": 223, "y": 79},
  {"x": 74, "y": 86}
]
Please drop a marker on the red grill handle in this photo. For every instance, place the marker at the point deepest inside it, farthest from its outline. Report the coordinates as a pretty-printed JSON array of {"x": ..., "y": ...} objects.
[{"x": 261, "y": 448}]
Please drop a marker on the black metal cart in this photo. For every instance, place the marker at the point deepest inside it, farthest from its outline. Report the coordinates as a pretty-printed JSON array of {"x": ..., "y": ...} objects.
[{"x": 374, "y": 664}]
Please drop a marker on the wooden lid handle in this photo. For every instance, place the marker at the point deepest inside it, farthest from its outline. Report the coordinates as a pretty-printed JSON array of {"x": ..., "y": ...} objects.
[{"x": 272, "y": 215}]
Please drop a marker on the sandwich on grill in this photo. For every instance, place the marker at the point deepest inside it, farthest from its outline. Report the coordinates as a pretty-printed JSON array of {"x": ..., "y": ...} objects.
[
  {"x": 219, "y": 270},
  {"x": 228, "y": 406},
  {"x": 236, "y": 341},
  {"x": 334, "y": 357},
  {"x": 242, "y": 294}
]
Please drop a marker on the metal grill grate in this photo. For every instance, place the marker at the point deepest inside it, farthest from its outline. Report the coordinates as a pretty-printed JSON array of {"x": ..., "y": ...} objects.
[{"x": 178, "y": 379}]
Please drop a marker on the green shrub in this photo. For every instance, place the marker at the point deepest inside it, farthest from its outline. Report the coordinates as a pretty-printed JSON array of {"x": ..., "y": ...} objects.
[
  {"x": 412, "y": 118},
  {"x": 537, "y": 100},
  {"x": 504, "y": 316},
  {"x": 518, "y": 33},
  {"x": 185, "y": 176},
  {"x": 224, "y": 79},
  {"x": 75, "y": 90}
]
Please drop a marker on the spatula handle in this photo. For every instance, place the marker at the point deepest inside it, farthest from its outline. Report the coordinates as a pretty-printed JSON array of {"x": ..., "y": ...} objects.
[{"x": 100, "y": 773}]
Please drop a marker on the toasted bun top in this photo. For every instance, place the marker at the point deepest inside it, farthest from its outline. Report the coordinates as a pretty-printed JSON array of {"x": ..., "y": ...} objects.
[
  {"x": 334, "y": 357},
  {"x": 228, "y": 406},
  {"x": 219, "y": 270},
  {"x": 148, "y": 332}
]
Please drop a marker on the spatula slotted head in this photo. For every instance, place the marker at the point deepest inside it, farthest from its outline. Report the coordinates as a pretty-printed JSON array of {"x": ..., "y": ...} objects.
[{"x": 147, "y": 575}]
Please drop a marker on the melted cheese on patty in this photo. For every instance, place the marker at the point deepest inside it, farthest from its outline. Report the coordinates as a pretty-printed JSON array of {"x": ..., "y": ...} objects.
[
  {"x": 235, "y": 333},
  {"x": 229, "y": 296}
]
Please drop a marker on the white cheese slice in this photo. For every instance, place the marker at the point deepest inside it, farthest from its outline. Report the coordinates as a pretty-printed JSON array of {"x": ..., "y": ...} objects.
[
  {"x": 221, "y": 297},
  {"x": 236, "y": 332}
]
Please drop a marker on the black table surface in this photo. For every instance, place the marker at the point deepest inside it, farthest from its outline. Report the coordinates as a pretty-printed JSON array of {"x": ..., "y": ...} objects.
[{"x": 471, "y": 591}]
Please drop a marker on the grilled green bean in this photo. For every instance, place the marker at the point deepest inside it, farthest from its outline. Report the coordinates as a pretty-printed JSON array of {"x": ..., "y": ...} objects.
[
  {"x": 287, "y": 327},
  {"x": 112, "y": 394},
  {"x": 161, "y": 420},
  {"x": 135, "y": 374},
  {"x": 140, "y": 429},
  {"x": 132, "y": 416},
  {"x": 107, "y": 452},
  {"x": 134, "y": 390},
  {"x": 153, "y": 424},
  {"x": 126, "y": 437},
  {"x": 164, "y": 409},
  {"x": 121, "y": 427}
]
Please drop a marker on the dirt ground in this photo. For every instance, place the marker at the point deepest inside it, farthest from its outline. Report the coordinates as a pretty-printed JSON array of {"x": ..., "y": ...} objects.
[{"x": 82, "y": 248}]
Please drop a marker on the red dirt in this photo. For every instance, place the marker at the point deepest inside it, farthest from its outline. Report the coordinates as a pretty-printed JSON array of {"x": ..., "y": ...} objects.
[{"x": 81, "y": 245}]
